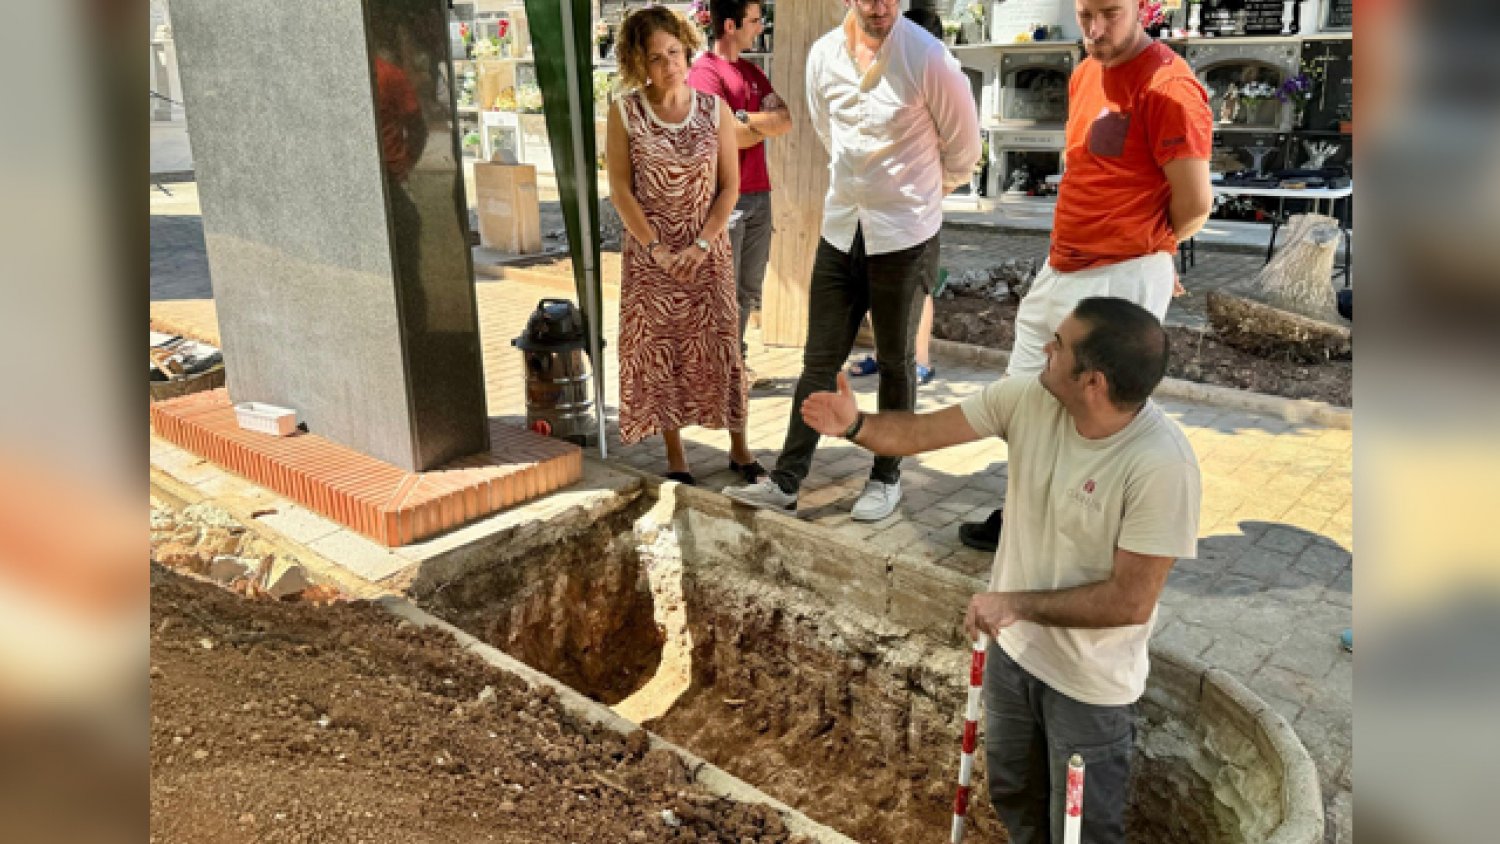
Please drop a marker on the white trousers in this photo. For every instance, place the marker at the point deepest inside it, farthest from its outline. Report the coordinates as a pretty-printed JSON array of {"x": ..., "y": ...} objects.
[{"x": 1147, "y": 281}]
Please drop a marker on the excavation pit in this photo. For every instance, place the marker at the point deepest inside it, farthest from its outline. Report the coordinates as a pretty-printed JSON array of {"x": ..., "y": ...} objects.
[{"x": 831, "y": 675}]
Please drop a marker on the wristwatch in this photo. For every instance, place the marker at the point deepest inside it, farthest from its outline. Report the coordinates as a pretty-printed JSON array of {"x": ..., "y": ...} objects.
[
  {"x": 702, "y": 244},
  {"x": 742, "y": 116}
]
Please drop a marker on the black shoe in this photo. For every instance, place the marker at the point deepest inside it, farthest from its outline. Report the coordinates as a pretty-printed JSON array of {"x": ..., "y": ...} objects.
[
  {"x": 982, "y": 536},
  {"x": 751, "y": 471},
  {"x": 684, "y": 478}
]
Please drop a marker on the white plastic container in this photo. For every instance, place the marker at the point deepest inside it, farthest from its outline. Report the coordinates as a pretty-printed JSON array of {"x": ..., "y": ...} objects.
[{"x": 266, "y": 418}]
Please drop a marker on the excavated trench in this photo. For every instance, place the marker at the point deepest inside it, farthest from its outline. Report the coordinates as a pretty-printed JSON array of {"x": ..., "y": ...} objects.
[{"x": 842, "y": 714}]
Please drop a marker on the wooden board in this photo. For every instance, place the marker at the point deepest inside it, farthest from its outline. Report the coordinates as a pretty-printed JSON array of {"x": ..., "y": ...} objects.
[{"x": 799, "y": 174}]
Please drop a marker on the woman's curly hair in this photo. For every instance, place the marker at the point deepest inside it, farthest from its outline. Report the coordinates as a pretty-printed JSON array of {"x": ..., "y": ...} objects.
[{"x": 638, "y": 28}]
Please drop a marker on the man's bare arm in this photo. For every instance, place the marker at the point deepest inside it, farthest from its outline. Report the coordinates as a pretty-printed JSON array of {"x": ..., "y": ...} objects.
[
  {"x": 892, "y": 434},
  {"x": 1192, "y": 195},
  {"x": 771, "y": 123},
  {"x": 1127, "y": 597}
]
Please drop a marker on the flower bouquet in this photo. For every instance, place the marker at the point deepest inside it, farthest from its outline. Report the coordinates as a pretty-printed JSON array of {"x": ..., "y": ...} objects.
[
  {"x": 1257, "y": 96},
  {"x": 699, "y": 14},
  {"x": 1153, "y": 17},
  {"x": 1297, "y": 90}
]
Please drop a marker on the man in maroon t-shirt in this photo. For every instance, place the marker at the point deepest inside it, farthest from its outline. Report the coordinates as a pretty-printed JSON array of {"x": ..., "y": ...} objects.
[{"x": 761, "y": 114}]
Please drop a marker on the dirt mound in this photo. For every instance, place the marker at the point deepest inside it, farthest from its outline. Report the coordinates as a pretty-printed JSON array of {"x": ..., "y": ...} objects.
[
  {"x": 277, "y": 722},
  {"x": 1196, "y": 356}
]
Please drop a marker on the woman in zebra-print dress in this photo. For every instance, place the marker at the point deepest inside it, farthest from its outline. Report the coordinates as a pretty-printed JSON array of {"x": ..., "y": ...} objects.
[{"x": 674, "y": 178}]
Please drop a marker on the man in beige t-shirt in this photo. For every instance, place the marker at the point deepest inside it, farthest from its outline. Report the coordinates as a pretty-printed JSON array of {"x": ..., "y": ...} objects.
[{"x": 1104, "y": 497}]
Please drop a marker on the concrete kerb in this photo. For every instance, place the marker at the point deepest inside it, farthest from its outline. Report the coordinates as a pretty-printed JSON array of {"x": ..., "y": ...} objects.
[
  {"x": 1291, "y": 410},
  {"x": 329, "y": 572},
  {"x": 1302, "y": 820}
]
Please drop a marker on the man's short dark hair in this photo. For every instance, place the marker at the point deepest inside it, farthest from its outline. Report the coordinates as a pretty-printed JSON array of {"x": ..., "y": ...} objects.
[
  {"x": 1126, "y": 344},
  {"x": 927, "y": 19},
  {"x": 729, "y": 10}
]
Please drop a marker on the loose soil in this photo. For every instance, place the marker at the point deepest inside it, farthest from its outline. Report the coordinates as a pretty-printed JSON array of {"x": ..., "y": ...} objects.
[
  {"x": 870, "y": 752},
  {"x": 1196, "y": 355},
  {"x": 291, "y": 722},
  {"x": 822, "y": 721}
]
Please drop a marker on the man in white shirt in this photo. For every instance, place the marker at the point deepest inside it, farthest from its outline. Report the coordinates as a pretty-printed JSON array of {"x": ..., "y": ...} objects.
[
  {"x": 895, "y": 112},
  {"x": 1104, "y": 496}
]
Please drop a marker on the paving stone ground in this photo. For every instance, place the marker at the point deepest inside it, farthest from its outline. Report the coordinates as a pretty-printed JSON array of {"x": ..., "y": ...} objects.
[{"x": 1266, "y": 598}]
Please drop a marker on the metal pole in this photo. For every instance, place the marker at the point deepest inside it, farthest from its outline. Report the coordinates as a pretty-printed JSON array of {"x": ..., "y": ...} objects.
[
  {"x": 970, "y": 740},
  {"x": 1073, "y": 811},
  {"x": 585, "y": 170}
]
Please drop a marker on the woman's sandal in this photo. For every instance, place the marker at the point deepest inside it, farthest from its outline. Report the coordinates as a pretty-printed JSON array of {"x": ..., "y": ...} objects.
[
  {"x": 684, "y": 478},
  {"x": 751, "y": 471}
]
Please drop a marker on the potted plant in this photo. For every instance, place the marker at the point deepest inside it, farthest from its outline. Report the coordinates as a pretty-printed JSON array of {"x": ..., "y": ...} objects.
[
  {"x": 973, "y": 31},
  {"x": 1260, "y": 103},
  {"x": 950, "y": 31},
  {"x": 503, "y": 38},
  {"x": 1297, "y": 90}
]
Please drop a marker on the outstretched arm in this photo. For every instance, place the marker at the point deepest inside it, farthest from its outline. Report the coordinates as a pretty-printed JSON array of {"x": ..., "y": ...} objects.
[{"x": 892, "y": 434}]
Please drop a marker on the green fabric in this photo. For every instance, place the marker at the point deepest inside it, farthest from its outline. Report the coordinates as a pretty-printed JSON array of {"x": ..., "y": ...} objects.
[{"x": 574, "y": 160}]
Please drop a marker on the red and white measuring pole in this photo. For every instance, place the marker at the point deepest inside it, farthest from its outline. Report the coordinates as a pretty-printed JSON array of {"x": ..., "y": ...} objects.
[
  {"x": 1073, "y": 813},
  {"x": 971, "y": 737}
]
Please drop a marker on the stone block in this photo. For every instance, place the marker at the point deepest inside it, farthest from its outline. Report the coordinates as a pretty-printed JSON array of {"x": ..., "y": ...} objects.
[
  {"x": 928, "y": 598},
  {"x": 850, "y": 574},
  {"x": 285, "y": 578},
  {"x": 227, "y": 569}
]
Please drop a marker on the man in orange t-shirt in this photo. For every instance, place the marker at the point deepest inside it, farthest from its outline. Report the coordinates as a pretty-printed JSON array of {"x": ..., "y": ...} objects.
[{"x": 1135, "y": 184}]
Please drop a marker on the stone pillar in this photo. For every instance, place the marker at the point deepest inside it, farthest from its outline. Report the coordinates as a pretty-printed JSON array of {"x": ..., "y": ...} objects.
[{"x": 324, "y": 141}]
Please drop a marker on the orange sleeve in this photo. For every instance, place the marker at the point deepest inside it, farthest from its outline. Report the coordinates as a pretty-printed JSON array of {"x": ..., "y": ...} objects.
[{"x": 1179, "y": 123}]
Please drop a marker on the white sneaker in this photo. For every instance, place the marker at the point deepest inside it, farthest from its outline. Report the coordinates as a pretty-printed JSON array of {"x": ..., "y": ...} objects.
[
  {"x": 763, "y": 493},
  {"x": 876, "y": 502}
]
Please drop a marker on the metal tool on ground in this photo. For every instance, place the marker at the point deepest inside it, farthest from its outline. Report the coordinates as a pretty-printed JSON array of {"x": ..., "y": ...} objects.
[
  {"x": 1073, "y": 812},
  {"x": 971, "y": 737}
]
